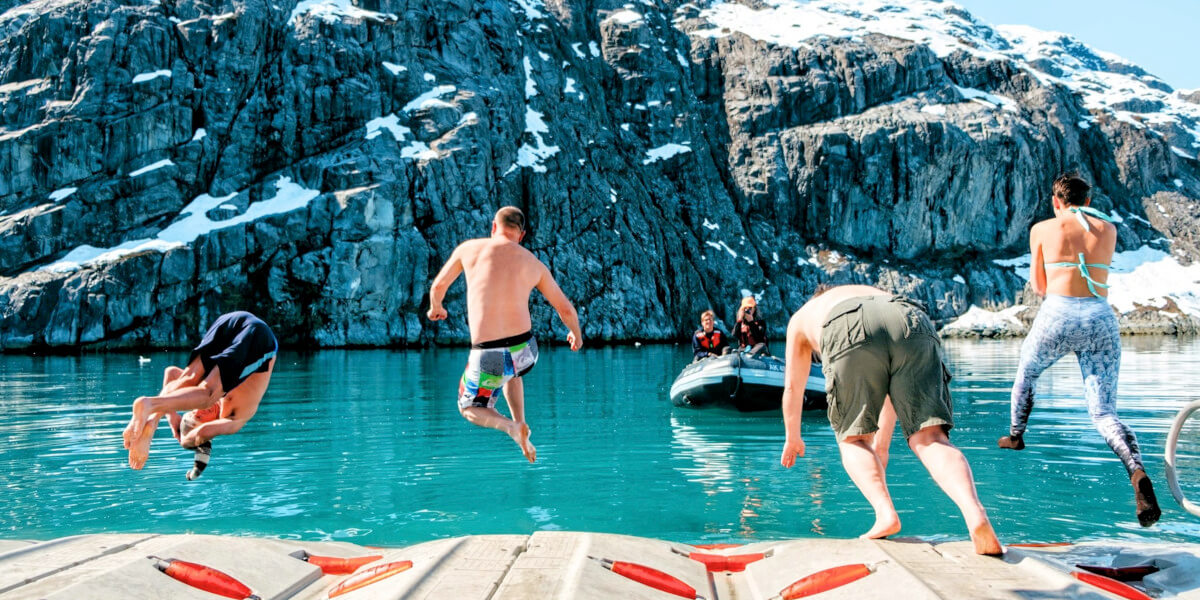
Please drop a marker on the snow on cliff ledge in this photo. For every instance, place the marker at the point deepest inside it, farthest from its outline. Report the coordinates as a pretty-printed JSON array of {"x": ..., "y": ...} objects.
[
  {"x": 192, "y": 223},
  {"x": 985, "y": 323},
  {"x": 1105, "y": 81}
]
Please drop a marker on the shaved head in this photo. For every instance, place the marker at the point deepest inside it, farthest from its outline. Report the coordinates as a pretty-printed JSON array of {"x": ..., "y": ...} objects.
[{"x": 510, "y": 216}]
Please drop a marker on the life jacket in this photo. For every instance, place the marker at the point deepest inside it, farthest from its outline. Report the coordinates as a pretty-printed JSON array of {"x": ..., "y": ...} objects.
[{"x": 710, "y": 341}]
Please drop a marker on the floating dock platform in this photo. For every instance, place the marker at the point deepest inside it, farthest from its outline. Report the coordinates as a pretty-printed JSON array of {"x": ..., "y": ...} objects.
[{"x": 582, "y": 566}]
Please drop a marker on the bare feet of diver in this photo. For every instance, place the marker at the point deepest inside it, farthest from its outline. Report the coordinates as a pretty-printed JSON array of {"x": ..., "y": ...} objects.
[
  {"x": 1011, "y": 442},
  {"x": 885, "y": 525},
  {"x": 520, "y": 434},
  {"x": 141, "y": 412},
  {"x": 139, "y": 449},
  {"x": 985, "y": 540},
  {"x": 127, "y": 435}
]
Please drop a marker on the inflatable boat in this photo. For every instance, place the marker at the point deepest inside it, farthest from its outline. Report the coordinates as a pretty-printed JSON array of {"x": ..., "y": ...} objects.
[{"x": 747, "y": 383}]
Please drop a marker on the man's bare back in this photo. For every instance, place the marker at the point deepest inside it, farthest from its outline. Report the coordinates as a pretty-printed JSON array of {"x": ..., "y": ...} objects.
[
  {"x": 811, "y": 317},
  {"x": 500, "y": 276}
]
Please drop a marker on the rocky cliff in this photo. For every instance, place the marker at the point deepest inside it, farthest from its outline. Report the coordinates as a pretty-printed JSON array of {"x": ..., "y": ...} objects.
[{"x": 164, "y": 161}]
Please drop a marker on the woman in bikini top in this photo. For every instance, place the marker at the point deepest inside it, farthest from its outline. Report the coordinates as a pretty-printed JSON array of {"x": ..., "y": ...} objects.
[{"x": 1072, "y": 252}]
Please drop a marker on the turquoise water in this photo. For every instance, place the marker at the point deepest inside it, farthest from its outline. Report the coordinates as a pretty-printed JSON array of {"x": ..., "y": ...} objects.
[{"x": 368, "y": 447}]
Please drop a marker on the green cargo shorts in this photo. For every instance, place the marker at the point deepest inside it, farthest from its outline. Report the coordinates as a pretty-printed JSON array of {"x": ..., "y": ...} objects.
[{"x": 876, "y": 346}]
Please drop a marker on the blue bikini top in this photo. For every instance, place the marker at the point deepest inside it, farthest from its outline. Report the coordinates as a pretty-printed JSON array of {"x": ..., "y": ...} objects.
[{"x": 1082, "y": 264}]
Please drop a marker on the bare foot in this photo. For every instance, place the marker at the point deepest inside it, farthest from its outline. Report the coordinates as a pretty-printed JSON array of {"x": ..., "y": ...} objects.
[
  {"x": 885, "y": 525},
  {"x": 521, "y": 437},
  {"x": 985, "y": 540},
  {"x": 139, "y": 449},
  {"x": 127, "y": 435},
  {"x": 140, "y": 413}
]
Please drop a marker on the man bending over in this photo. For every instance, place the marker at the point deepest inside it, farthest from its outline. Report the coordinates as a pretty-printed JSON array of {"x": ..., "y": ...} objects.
[{"x": 874, "y": 345}]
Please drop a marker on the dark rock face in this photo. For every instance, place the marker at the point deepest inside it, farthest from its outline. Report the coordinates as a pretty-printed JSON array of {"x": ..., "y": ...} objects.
[{"x": 339, "y": 157}]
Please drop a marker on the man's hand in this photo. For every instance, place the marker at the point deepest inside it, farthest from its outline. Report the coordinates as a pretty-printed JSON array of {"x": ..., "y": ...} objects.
[
  {"x": 193, "y": 438},
  {"x": 792, "y": 448},
  {"x": 575, "y": 341},
  {"x": 436, "y": 313}
]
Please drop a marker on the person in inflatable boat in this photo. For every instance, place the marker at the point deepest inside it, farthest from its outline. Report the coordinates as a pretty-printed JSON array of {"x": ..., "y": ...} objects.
[
  {"x": 709, "y": 340},
  {"x": 751, "y": 329}
]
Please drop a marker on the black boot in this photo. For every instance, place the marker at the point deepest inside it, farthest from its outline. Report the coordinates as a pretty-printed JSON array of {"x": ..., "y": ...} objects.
[
  {"x": 1143, "y": 495},
  {"x": 1012, "y": 442}
]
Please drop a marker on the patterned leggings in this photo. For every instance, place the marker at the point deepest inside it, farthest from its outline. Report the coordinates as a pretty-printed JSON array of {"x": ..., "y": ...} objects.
[{"x": 1087, "y": 327}]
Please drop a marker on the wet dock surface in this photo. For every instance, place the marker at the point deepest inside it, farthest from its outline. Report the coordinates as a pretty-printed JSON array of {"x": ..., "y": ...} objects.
[{"x": 575, "y": 565}]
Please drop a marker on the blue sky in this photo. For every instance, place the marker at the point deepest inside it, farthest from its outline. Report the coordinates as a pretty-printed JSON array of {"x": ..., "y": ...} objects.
[{"x": 1158, "y": 35}]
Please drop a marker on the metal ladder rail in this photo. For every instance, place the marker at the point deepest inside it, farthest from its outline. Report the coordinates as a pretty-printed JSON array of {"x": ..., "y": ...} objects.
[{"x": 1169, "y": 457}]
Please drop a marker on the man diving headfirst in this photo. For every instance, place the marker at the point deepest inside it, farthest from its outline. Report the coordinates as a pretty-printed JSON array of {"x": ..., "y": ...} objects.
[
  {"x": 500, "y": 277},
  {"x": 222, "y": 385}
]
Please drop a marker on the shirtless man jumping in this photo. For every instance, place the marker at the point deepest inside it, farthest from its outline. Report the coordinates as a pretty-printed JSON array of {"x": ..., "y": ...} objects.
[
  {"x": 222, "y": 385},
  {"x": 874, "y": 346},
  {"x": 500, "y": 277}
]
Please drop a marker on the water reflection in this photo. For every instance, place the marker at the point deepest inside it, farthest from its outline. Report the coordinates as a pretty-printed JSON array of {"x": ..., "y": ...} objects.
[{"x": 711, "y": 460}]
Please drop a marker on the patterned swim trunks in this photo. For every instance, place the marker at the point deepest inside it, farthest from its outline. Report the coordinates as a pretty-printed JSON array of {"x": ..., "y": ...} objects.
[{"x": 491, "y": 365}]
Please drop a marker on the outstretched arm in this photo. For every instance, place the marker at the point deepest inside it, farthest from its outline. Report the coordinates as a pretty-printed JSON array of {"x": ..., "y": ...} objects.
[
  {"x": 566, "y": 311},
  {"x": 798, "y": 358},
  {"x": 441, "y": 283}
]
